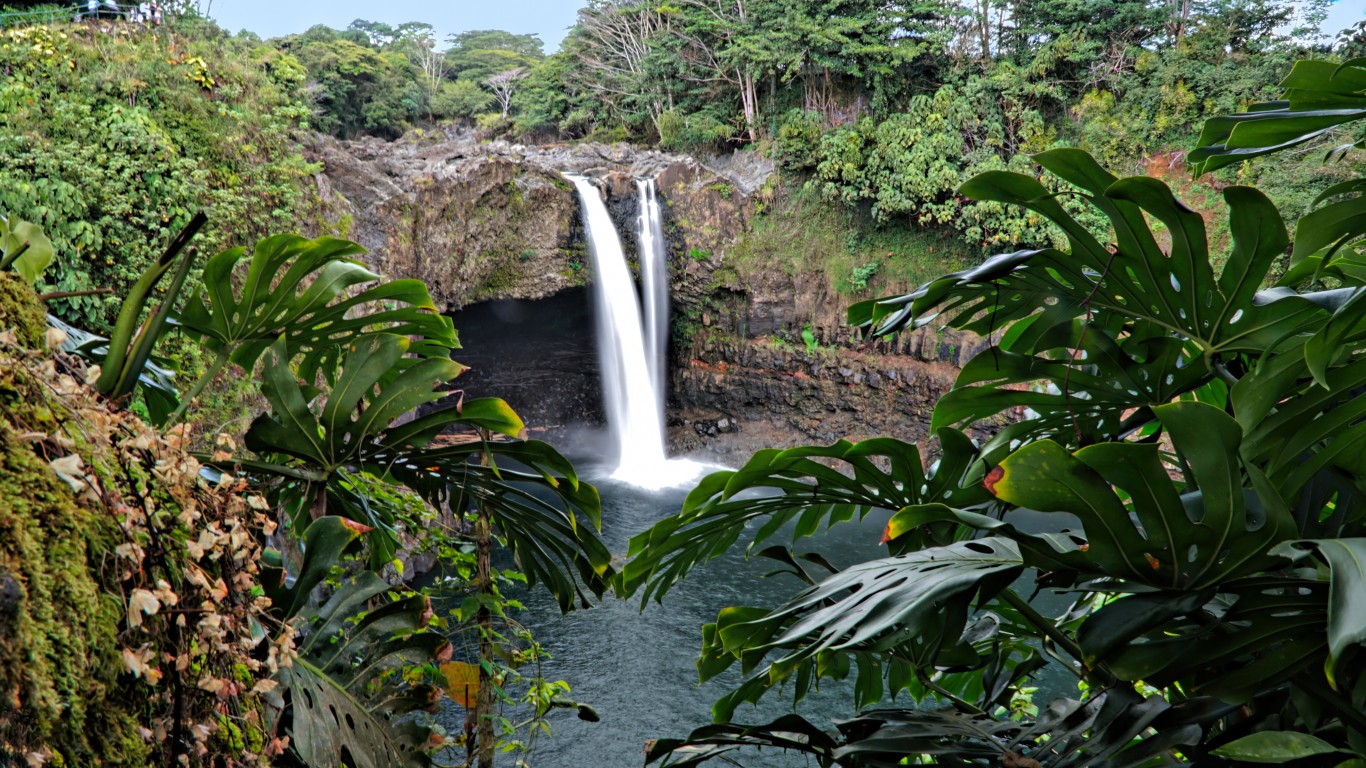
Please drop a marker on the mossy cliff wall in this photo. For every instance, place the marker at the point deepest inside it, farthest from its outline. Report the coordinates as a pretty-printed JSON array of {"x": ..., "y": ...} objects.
[
  {"x": 130, "y": 629},
  {"x": 59, "y": 621}
]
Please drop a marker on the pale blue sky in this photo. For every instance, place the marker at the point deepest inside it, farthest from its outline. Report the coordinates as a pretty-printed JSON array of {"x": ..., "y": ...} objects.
[
  {"x": 548, "y": 18},
  {"x": 551, "y": 19}
]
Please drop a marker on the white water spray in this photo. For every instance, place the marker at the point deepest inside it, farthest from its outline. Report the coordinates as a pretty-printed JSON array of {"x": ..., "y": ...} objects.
[
  {"x": 632, "y": 387},
  {"x": 654, "y": 280}
]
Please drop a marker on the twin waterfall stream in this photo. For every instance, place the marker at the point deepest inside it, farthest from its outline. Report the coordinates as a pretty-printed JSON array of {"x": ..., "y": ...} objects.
[{"x": 633, "y": 341}]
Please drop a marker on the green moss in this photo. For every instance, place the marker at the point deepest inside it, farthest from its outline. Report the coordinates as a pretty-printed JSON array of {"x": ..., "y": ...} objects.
[
  {"x": 60, "y": 656},
  {"x": 59, "y": 652},
  {"x": 21, "y": 310}
]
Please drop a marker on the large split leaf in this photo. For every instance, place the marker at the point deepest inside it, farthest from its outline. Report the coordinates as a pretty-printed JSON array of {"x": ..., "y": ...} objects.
[
  {"x": 295, "y": 289},
  {"x": 1320, "y": 95},
  {"x": 360, "y": 408},
  {"x": 547, "y": 517},
  {"x": 797, "y": 486},
  {"x": 1252, "y": 635},
  {"x": 536, "y": 504},
  {"x": 1346, "y": 560},
  {"x": 1093, "y": 337},
  {"x": 346, "y": 699},
  {"x": 1114, "y": 729},
  {"x": 1157, "y": 533},
  {"x": 915, "y": 604},
  {"x": 323, "y": 546}
]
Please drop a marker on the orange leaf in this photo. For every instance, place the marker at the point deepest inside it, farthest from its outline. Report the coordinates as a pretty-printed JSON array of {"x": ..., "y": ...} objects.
[{"x": 462, "y": 682}]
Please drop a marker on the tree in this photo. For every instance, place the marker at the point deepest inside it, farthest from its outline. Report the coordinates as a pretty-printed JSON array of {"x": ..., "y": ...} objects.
[
  {"x": 480, "y": 54},
  {"x": 358, "y": 89},
  {"x": 503, "y": 85},
  {"x": 615, "y": 38},
  {"x": 462, "y": 99}
]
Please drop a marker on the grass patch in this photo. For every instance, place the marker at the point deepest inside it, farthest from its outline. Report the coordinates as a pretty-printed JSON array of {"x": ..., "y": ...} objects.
[{"x": 801, "y": 234}]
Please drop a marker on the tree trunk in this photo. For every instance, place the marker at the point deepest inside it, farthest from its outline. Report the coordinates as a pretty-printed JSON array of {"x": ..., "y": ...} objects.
[
  {"x": 483, "y": 582},
  {"x": 749, "y": 100},
  {"x": 984, "y": 27}
]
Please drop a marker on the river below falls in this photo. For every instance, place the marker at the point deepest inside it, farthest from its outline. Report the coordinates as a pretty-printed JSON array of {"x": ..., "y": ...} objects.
[{"x": 637, "y": 668}]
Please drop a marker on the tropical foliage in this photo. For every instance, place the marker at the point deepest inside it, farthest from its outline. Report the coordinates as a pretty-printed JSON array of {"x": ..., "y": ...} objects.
[
  {"x": 1178, "y": 464},
  {"x": 346, "y": 360}
]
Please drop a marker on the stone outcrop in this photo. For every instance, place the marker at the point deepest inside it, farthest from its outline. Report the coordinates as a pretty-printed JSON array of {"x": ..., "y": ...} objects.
[
  {"x": 735, "y": 395},
  {"x": 493, "y": 220},
  {"x": 769, "y": 362}
]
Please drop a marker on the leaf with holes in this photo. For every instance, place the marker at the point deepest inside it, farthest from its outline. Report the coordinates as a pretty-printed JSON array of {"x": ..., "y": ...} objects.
[
  {"x": 1156, "y": 534},
  {"x": 296, "y": 290},
  {"x": 344, "y": 699},
  {"x": 915, "y": 603}
]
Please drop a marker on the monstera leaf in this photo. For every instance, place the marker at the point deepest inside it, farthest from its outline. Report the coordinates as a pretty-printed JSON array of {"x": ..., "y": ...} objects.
[
  {"x": 1139, "y": 524},
  {"x": 1346, "y": 615},
  {"x": 294, "y": 290},
  {"x": 323, "y": 546},
  {"x": 1113, "y": 729},
  {"x": 1320, "y": 96},
  {"x": 797, "y": 486},
  {"x": 535, "y": 504},
  {"x": 547, "y": 517},
  {"x": 345, "y": 693},
  {"x": 1249, "y": 636},
  {"x": 915, "y": 605},
  {"x": 24, "y": 247},
  {"x": 1094, "y": 337},
  {"x": 360, "y": 408},
  {"x": 343, "y": 698}
]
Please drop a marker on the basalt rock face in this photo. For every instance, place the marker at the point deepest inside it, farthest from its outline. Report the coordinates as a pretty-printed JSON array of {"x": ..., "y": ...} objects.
[
  {"x": 735, "y": 395},
  {"x": 481, "y": 221}
]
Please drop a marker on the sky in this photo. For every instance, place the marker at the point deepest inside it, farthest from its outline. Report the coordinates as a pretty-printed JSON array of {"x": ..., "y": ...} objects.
[{"x": 550, "y": 19}]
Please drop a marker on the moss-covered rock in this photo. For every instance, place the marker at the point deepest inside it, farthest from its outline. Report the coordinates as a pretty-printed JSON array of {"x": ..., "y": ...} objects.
[
  {"x": 20, "y": 310},
  {"x": 105, "y": 527},
  {"x": 59, "y": 656}
]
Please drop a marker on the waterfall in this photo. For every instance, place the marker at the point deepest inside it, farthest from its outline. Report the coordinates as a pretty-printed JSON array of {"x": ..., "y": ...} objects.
[
  {"x": 633, "y": 370},
  {"x": 654, "y": 279}
]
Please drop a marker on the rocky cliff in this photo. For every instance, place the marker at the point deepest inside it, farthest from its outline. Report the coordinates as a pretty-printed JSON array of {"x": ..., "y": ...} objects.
[{"x": 493, "y": 222}]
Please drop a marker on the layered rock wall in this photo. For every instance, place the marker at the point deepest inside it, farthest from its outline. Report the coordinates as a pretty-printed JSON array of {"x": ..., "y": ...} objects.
[{"x": 480, "y": 222}]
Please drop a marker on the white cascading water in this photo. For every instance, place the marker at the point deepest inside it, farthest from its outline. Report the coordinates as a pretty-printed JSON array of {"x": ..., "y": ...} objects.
[
  {"x": 632, "y": 391},
  {"x": 654, "y": 283}
]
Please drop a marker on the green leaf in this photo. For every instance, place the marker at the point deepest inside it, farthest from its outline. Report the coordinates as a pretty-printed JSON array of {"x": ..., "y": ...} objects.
[
  {"x": 25, "y": 248},
  {"x": 915, "y": 603},
  {"x": 1159, "y": 534},
  {"x": 796, "y": 486},
  {"x": 323, "y": 545},
  {"x": 345, "y": 692},
  {"x": 540, "y": 510},
  {"x": 1095, "y": 336},
  {"x": 1276, "y": 747},
  {"x": 296, "y": 289},
  {"x": 358, "y": 412},
  {"x": 1346, "y": 560}
]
